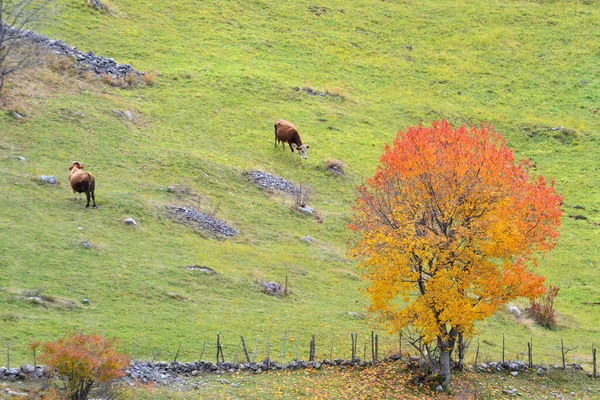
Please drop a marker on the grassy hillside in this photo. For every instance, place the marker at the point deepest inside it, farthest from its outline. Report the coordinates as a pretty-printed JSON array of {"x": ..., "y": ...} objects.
[{"x": 226, "y": 71}]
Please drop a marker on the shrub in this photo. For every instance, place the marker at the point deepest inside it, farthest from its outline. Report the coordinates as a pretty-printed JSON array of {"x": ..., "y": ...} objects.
[
  {"x": 84, "y": 362},
  {"x": 542, "y": 311},
  {"x": 149, "y": 78}
]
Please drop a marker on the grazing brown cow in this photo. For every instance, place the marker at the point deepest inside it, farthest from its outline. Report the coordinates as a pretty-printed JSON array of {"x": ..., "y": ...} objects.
[
  {"x": 82, "y": 182},
  {"x": 285, "y": 132}
]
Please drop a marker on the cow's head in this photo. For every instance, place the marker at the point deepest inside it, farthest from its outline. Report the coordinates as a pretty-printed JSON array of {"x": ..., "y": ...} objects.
[
  {"x": 302, "y": 150},
  {"x": 75, "y": 165}
]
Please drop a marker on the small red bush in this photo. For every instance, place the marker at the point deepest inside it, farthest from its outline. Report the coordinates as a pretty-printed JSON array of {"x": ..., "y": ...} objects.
[
  {"x": 542, "y": 311},
  {"x": 83, "y": 362}
]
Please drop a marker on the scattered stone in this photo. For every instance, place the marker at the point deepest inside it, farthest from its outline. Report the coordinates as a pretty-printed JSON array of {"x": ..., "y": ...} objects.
[
  {"x": 514, "y": 373},
  {"x": 306, "y": 210},
  {"x": 510, "y": 392},
  {"x": 514, "y": 310},
  {"x": 204, "y": 270},
  {"x": 309, "y": 239},
  {"x": 201, "y": 221},
  {"x": 22, "y": 158},
  {"x": 49, "y": 179},
  {"x": 235, "y": 385},
  {"x": 129, "y": 115},
  {"x": 272, "y": 288},
  {"x": 80, "y": 228},
  {"x": 85, "y": 302},
  {"x": 171, "y": 189},
  {"x": 272, "y": 182},
  {"x": 85, "y": 61},
  {"x": 129, "y": 221},
  {"x": 540, "y": 371},
  {"x": 439, "y": 388},
  {"x": 118, "y": 113},
  {"x": 354, "y": 314},
  {"x": 87, "y": 245},
  {"x": 79, "y": 114},
  {"x": 17, "y": 115}
]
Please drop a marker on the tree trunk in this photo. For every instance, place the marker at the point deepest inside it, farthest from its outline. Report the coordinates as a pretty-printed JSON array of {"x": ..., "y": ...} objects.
[{"x": 444, "y": 364}]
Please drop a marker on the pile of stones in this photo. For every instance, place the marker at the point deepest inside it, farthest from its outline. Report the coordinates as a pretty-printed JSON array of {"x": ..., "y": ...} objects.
[
  {"x": 86, "y": 61},
  {"x": 26, "y": 371},
  {"x": 201, "y": 221},
  {"x": 272, "y": 182}
]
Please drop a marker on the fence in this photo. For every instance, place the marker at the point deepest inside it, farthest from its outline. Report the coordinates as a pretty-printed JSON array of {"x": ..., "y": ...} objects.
[{"x": 370, "y": 346}]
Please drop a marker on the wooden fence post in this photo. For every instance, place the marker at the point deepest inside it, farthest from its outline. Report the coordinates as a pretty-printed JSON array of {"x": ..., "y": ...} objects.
[
  {"x": 372, "y": 346},
  {"x": 562, "y": 351},
  {"x": 530, "y": 355},
  {"x": 284, "y": 338},
  {"x": 594, "y": 361},
  {"x": 255, "y": 349},
  {"x": 245, "y": 350},
  {"x": 268, "y": 350},
  {"x": 177, "y": 354},
  {"x": 376, "y": 347},
  {"x": 477, "y": 352},
  {"x": 400, "y": 343},
  {"x": 8, "y": 354},
  {"x": 202, "y": 353}
]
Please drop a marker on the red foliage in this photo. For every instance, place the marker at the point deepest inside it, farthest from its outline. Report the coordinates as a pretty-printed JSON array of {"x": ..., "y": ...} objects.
[{"x": 83, "y": 361}]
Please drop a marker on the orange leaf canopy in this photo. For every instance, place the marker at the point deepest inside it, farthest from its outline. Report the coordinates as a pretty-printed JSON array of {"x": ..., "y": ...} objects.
[{"x": 448, "y": 226}]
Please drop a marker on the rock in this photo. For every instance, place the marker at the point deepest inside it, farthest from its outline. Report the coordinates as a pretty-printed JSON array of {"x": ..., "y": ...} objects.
[
  {"x": 129, "y": 115},
  {"x": 130, "y": 221},
  {"x": 439, "y": 388},
  {"x": 306, "y": 210},
  {"x": 235, "y": 385},
  {"x": 49, "y": 179},
  {"x": 318, "y": 365},
  {"x": 514, "y": 310},
  {"x": 171, "y": 189},
  {"x": 27, "y": 368},
  {"x": 80, "y": 228},
  {"x": 202, "y": 269},
  {"x": 201, "y": 221},
  {"x": 514, "y": 373},
  {"x": 22, "y": 158},
  {"x": 118, "y": 113},
  {"x": 87, "y": 245},
  {"x": 268, "y": 181},
  {"x": 17, "y": 115},
  {"x": 272, "y": 288},
  {"x": 309, "y": 239},
  {"x": 85, "y": 302},
  {"x": 354, "y": 314},
  {"x": 540, "y": 371}
]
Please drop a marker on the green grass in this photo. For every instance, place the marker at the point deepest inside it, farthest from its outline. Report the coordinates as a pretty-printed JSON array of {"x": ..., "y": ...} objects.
[{"x": 226, "y": 71}]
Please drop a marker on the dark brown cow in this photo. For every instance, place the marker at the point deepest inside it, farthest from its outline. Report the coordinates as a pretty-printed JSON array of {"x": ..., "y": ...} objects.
[
  {"x": 82, "y": 182},
  {"x": 285, "y": 132}
]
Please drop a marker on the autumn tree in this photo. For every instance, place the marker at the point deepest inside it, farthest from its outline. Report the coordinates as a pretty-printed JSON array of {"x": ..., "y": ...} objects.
[
  {"x": 449, "y": 228},
  {"x": 84, "y": 362}
]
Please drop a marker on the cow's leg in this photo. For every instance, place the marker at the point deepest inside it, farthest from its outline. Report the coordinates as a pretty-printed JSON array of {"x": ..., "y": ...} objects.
[
  {"x": 87, "y": 195},
  {"x": 74, "y": 195},
  {"x": 93, "y": 198},
  {"x": 291, "y": 147}
]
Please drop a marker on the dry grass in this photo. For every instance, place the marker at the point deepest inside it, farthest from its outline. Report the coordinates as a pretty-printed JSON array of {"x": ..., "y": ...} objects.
[
  {"x": 336, "y": 167},
  {"x": 149, "y": 78}
]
